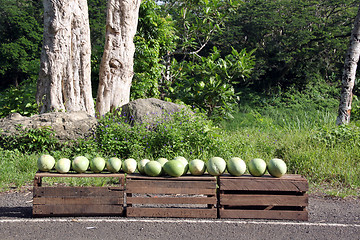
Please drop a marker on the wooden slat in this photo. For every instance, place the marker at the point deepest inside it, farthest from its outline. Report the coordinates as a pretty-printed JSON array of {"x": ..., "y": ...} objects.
[
  {"x": 263, "y": 200},
  {"x": 264, "y": 214},
  {"x": 77, "y": 210},
  {"x": 74, "y": 174},
  {"x": 171, "y": 212},
  {"x": 188, "y": 177},
  {"x": 77, "y": 191},
  {"x": 291, "y": 183},
  {"x": 156, "y": 190},
  {"x": 170, "y": 184},
  {"x": 79, "y": 200},
  {"x": 171, "y": 200}
]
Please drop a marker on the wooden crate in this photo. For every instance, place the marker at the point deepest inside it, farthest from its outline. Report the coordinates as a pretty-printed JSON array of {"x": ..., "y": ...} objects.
[
  {"x": 77, "y": 201},
  {"x": 185, "y": 196},
  {"x": 263, "y": 197}
]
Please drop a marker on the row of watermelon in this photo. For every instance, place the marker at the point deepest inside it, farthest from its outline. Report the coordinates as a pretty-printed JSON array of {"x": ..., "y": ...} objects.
[{"x": 177, "y": 167}]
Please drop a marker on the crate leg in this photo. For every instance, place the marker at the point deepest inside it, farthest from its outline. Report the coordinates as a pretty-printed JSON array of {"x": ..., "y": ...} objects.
[{"x": 37, "y": 181}]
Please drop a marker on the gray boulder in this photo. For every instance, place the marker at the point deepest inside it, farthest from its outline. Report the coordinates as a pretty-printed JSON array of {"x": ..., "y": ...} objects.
[
  {"x": 148, "y": 110},
  {"x": 67, "y": 125}
]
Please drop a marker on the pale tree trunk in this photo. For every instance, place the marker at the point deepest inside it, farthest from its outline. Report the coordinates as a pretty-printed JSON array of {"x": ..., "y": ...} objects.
[
  {"x": 116, "y": 68},
  {"x": 64, "y": 82},
  {"x": 349, "y": 74}
]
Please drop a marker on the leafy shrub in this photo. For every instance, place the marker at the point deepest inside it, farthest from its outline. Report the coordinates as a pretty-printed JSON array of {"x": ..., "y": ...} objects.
[
  {"x": 338, "y": 134},
  {"x": 20, "y": 100},
  {"x": 181, "y": 133},
  {"x": 208, "y": 83},
  {"x": 31, "y": 140}
]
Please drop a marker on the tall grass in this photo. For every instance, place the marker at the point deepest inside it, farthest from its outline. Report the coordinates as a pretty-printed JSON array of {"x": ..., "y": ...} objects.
[{"x": 308, "y": 141}]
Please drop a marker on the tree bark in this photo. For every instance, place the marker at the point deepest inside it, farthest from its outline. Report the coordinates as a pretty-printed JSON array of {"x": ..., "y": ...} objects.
[
  {"x": 116, "y": 68},
  {"x": 64, "y": 82},
  {"x": 349, "y": 74}
]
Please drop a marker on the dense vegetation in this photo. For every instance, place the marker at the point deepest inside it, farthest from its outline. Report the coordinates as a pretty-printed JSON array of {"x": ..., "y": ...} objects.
[{"x": 262, "y": 76}]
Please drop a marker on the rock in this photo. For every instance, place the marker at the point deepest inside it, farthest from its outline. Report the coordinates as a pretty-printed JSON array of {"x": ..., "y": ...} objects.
[
  {"x": 67, "y": 125},
  {"x": 147, "y": 110}
]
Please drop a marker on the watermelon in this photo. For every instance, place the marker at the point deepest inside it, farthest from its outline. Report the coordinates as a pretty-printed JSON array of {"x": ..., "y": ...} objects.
[
  {"x": 174, "y": 168},
  {"x": 277, "y": 167},
  {"x": 113, "y": 164},
  {"x": 80, "y": 164},
  {"x": 45, "y": 163},
  {"x": 257, "y": 167},
  {"x": 162, "y": 161},
  {"x": 63, "y": 165},
  {"x": 185, "y": 162},
  {"x": 141, "y": 165},
  {"x": 97, "y": 164},
  {"x": 197, "y": 167},
  {"x": 129, "y": 165},
  {"x": 216, "y": 166},
  {"x": 153, "y": 168},
  {"x": 236, "y": 166}
]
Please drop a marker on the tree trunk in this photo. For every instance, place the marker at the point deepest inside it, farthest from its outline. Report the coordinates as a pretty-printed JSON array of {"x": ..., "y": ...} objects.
[
  {"x": 64, "y": 82},
  {"x": 116, "y": 68},
  {"x": 348, "y": 78}
]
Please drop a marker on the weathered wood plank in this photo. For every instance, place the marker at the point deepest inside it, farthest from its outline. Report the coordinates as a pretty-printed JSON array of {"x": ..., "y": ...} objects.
[
  {"x": 171, "y": 212},
  {"x": 290, "y": 183},
  {"x": 263, "y": 200},
  {"x": 156, "y": 190},
  {"x": 77, "y": 191},
  {"x": 169, "y": 184},
  {"x": 74, "y": 174},
  {"x": 171, "y": 200},
  {"x": 79, "y": 200},
  {"x": 264, "y": 214},
  {"x": 78, "y": 210},
  {"x": 188, "y": 177}
]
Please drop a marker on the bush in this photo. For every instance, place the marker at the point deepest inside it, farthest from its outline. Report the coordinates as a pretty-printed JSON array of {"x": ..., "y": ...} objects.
[
  {"x": 185, "y": 133},
  {"x": 20, "y": 100}
]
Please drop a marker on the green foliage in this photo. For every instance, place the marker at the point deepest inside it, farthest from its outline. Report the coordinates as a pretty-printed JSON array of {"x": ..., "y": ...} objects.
[
  {"x": 295, "y": 39},
  {"x": 338, "y": 134},
  {"x": 355, "y": 109},
  {"x": 171, "y": 134},
  {"x": 19, "y": 99},
  {"x": 154, "y": 39},
  {"x": 207, "y": 83},
  {"x": 20, "y": 41},
  {"x": 31, "y": 140},
  {"x": 197, "y": 22}
]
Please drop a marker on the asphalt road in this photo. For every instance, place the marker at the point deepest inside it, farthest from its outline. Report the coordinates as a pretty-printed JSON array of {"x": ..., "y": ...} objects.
[{"x": 329, "y": 218}]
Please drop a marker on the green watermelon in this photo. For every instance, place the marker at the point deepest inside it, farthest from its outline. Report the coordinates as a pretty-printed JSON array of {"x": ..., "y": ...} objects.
[
  {"x": 141, "y": 165},
  {"x": 197, "y": 167},
  {"x": 63, "y": 165},
  {"x": 97, "y": 164},
  {"x": 80, "y": 164},
  {"x": 129, "y": 165},
  {"x": 45, "y": 163},
  {"x": 236, "y": 166},
  {"x": 174, "y": 168},
  {"x": 113, "y": 164},
  {"x": 153, "y": 169},
  {"x": 257, "y": 167},
  {"x": 216, "y": 166},
  {"x": 185, "y": 162},
  {"x": 277, "y": 167}
]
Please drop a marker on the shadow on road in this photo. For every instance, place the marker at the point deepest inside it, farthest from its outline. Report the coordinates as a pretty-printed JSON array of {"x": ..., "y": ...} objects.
[{"x": 16, "y": 212}]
